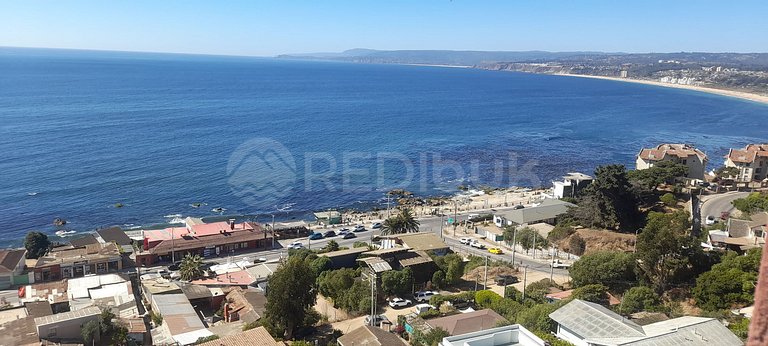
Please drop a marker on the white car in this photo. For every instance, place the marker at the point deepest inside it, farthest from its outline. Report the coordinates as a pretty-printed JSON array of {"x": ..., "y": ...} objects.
[
  {"x": 465, "y": 241},
  {"x": 423, "y": 296},
  {"x": 558, "y": 264},
  {"x": 710, "y": 220},
  {"x": 296, "y": 245},
  {"x": 399, "y": 302},
  {"x": 476, "y": 244}
]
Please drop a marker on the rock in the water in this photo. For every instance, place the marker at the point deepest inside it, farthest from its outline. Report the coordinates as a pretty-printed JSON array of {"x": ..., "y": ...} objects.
[{"x": 59, "y": 221}]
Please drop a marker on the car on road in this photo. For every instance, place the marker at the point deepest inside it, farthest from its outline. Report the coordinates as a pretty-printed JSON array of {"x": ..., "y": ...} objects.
[
  {"x": 376, "y": 320},
  {"x": 296, "y": 245},
  {"x": 260, "y": 260},
  {"x": 343, "y": 230},
  {"x": 476, "y": 244},
  {"x": 710, "y": 220},
  {"x": 495, "y": 251},
  {"x": 329, "y": 234},
  {"x": 559, "y": 264},
  {"x": 376, "y": 225},
  {"x": 399, "y": 302},
  {"x": 349, "y": 235},
  {"x": 519, "y": 206},
  {"x": 465, "y": 240},
  {"x": 423, "y": 296},
  {"x": 359, "y": 228},
  {"x": 175, "y": 266},
  {"x": 315, "y": 236},
  {"x": 503, "y": 280}
]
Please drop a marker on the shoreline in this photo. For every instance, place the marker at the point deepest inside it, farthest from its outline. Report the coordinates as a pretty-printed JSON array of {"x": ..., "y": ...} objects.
[{"x": 722, "y": 92}]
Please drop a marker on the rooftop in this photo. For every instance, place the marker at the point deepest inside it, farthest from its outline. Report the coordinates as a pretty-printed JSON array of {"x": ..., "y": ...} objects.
[
  {"x": 250, "y": 304},
  {"x": 196, "y": 242},
  {"x": 192, "y": 291},
  {"x": 668, "y": 149},
  {"x": 421, "y": 241},
  {"x": 178, "y": 313},
  {"x": 238, "y": 278},
  {"x": 576, "y": 176},
  {"x": 547, "y": 209},
  {"x": 468, "y": 322},
  {"x": 38, "y": 309},
  {"x": 9, "y": 259},
  {"x": 84, "y": 240},
  {"x": 19, "y": 332},
  {"x": 114, "y": 234},
  {"x": 370, "y": 336},
  {"x": 90, "y": 252},
  {"x": 159, "y": 286},
  {"x": 258, "y": 336},
  {"x": 748, "y": 154},
  {"x": 593, "y": 320},
  {"x": 53, "y": 292},
  {"x": 66, "y": 316},
  {"x": 513, "y": 335},
  {"x": 354, "y": 250},
  {"x": 261, "y": 271}
]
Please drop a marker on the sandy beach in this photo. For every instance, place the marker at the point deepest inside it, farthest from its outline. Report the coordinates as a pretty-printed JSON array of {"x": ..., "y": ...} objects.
[{"x": 729, "y": 93}]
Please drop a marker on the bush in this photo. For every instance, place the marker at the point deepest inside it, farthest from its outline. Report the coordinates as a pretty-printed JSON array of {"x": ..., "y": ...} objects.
[
  {"x": 613, "y": 269},
  {"x": 431, "y": 313},
  {"x": 486, "y": 298},
  {"x": 638, "y": 299},
  {"x": 560, "y": 232},
  {"x": 577, "y": 245},
  {"x": 156, "y": 318},
  {"x": 203, "y": 339},
  {"x": 668, "y": 199},
  {"x": 536, "y": 318},
  {"x": 592, "y": 293},
  {"x": 438, "y": 279}
]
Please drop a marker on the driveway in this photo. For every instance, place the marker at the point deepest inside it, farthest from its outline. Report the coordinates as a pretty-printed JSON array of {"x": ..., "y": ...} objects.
[{"x": 716, "y": 204}]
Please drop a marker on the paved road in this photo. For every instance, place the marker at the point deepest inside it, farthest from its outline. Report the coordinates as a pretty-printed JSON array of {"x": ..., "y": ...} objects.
[{"x": 716, "y": 204}]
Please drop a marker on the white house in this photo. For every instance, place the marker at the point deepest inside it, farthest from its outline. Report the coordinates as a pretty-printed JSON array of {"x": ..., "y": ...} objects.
[
  {"x": 684, "y": 154},
  {"x": 752, "y": 162},
  {"x": 545, "y": 212},
  {"x": 571, "y": 185},
  {"x": 11, "y": 265},
  {"x": 588, "y": 324},
  {"x": 513, "y": 335}
]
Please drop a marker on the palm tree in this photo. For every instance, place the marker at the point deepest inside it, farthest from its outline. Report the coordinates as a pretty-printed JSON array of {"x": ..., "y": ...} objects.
[
  {"x": 191, "y": 267},
  {"x": 401, "y": 223}
]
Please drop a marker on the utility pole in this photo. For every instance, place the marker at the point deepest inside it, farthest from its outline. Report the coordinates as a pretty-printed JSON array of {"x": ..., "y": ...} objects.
[
  {"x": 441, "y": 226},
  {"x": 534, "y": 244},
  {"x": 551, "y": 271},
  {"x": 455, "y": 212},
  {"x": 525, "y": 278},
  {"x": 485, "y": 280},
  {"x": 635, "y": 250},
  {"x": 514, "y": 244},
  {"x": 273, "y": 231}
]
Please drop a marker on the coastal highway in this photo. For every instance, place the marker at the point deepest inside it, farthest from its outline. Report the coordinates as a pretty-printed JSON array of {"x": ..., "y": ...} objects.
[{"x": 716, "y": 204}]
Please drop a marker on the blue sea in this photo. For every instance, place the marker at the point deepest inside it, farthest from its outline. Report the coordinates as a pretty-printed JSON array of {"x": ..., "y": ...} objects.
[{"x": 134, "y": 139}]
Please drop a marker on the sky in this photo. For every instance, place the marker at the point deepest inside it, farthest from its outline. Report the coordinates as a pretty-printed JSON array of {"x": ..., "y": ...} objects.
[{"x": 268, "y": 28}]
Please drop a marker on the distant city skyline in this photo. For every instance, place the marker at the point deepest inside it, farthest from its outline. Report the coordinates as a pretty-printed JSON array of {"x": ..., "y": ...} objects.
[{"x": 260, "y": 28}]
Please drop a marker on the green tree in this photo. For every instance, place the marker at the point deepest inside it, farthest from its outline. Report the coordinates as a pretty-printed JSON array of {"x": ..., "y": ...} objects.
[
  {"x": 89, "y": 331},
  {"x": 507, "y": 307},
  {"x": 615, "y": 270},
  {"x": 536, "y": 318},
  {"x": 730, "y": 283},
  {"x": 639, "y": 298},
  {"x": 528, "y": 238},
  {"x": 191, "y": 267},
  {"x": 726, "y": 173},
  {"x": 333, "y": 283},
  {"x": 552, "y": 340},
  {"x": 609, "y": 202},
  {"x": 438, "y": 279},
  {"x": 668, "y": 199},
  {"x": 486, "y": 298},
  {"x": 332, "y": 245},
  {"x": 754, "y": 202},
  {"x": 397, "y": 282},
  {"x": 37, "y": 244},
  {"x": 404, "y": 222},
  {"x": 431, "y": 338},
  {"x": 663, "y": 172},
  {"x": 203, "y": 339},
  {"x": 595, "y": 293},
  {"x": 320, "y": 264},
  {"x": 291, "y": 293},
  {"x": 560, "y": 232},
  {"x": 665, "y": 249}
]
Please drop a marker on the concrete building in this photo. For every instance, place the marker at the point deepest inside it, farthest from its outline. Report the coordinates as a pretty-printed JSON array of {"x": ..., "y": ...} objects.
[
  {"x": 513, "y": 335},
  {"x": 12, "y": 268},
  {"x": 571, "y": 185},
  {"x": 78, "y": 262},
  {"x": 752, "y": 162},
  {"x": 111, "y": 291},
  {"x": 685, "y": 154},
  {"x": 588, "y": 324},
  {"x": 65, "y": 327},
  {"x": 382, "y": 260},
  {"x": 546, "y": 212},
  {"x": 370, "y": 336}
]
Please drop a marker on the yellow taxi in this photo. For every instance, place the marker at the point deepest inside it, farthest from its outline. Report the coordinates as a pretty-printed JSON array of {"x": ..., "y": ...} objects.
[{"x": 495, "y": 250}]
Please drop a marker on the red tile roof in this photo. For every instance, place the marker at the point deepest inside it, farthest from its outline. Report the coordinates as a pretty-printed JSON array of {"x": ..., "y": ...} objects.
[
  {"x": 254, "y": 337},
  {"x": 238, "y": 278},
  {"x": 748, "y": 154},
  {"x": 218, "y": 227},
  {"x": 662, "y": 150}
]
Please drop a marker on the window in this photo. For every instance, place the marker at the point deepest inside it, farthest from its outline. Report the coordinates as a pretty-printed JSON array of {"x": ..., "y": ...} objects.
[
  {"x": 685, "y": 162},
  {"x": 101, "y": 267}
]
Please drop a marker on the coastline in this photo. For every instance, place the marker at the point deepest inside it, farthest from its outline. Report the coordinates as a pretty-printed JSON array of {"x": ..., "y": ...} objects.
[{"x": 729, "y": 93}]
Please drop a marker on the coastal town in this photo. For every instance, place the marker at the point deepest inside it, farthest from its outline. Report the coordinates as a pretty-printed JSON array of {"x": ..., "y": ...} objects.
[{"x": 495, "y": 266}]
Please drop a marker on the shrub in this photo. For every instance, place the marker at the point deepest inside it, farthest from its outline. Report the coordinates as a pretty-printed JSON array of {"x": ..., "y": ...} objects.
[
  {"x": 668, "y": 199},
  {"x": 638, "y": 299},
  {"x": 592, "y": 293},
  {"x": 486, "y": 298},
  {"x": 431, "y": 313},
  {"x": 577, "y": 245}
]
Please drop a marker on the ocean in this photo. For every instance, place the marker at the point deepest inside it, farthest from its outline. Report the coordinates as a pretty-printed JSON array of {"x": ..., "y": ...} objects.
[{"x": 137, "y": 139}]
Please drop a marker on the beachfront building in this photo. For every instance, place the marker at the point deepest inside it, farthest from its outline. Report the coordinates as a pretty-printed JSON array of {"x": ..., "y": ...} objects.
[
  {"x": 513, "y": 335},
  {"x": 752, "y": 162},
  {"x": 588, "y": 324},
  {"x": 12, "y": 268},
  {"x": 546, "y": 212},
  {"x": 204, "y": 239},
  {"x": 684, "y": 154},
  {"x": 571, "y": 185},
  {"x": 75, "y": 262}
]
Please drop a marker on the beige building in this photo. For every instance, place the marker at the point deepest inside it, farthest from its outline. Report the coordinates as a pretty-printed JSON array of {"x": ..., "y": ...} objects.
[
  {"x": 684, "y": 154},
  {"x": 752, "y": 162}
]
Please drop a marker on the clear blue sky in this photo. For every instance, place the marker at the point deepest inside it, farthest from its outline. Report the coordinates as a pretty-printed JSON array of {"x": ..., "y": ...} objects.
[{"x": 267, "y": 28}]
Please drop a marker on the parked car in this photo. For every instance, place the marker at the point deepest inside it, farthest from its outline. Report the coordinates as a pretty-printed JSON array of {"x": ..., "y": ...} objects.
[
  {"x": 165, "y": 274},
  {"x": 315, "y": 236},
  {"x": 399, "y": 302},
  {"x": 420, "y": 308},
  {"x": 495, "y": 251},
  {"x": 465, "y": 241},
  {"x": 329, "y": 234},
  {"x": 725, "y": 215},
  {"x": 349, "y": 235},
  {"x": 260, "y": 260},
  {"x": 710, "y": 220},
  {"x": 296, "y": 245},
  {"x": 343, "y": 231},
  {"x": 476, "y": 244},
  {"x": 376, "y": 225},
  {"x": 175, "y": 266},
  {"x": 559, "y": 264},
  {"x": 519, "y": 206},
  {"x": 376, "y": 320},
  {"x": 423, "y": 296},
  {"x": 503, "y": 280},
  {"x": 359, "y": 228}
]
